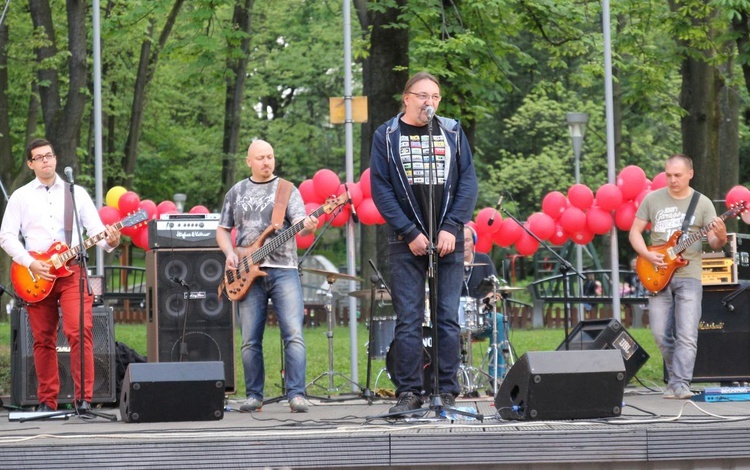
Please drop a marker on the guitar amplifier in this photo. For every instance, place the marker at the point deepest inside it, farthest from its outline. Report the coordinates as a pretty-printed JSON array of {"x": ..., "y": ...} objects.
[{"x": 183, "y": 231}]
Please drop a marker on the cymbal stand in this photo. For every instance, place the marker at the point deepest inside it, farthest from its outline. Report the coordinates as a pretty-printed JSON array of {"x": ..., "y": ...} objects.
[{"x": 330, "y": 373}]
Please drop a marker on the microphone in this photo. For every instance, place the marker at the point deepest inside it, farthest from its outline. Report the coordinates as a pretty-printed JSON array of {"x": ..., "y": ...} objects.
[
  {"x": 355, "y": 218},
  {"x": 497, "y": 209},
  {"x": 179, "y": 281},
  {"x": 69, "y": 174},
  {"x": 430, "y": 112}
]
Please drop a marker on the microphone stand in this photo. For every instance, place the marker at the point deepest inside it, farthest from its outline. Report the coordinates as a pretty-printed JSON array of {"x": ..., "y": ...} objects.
[{"x": 565, "y": 267}]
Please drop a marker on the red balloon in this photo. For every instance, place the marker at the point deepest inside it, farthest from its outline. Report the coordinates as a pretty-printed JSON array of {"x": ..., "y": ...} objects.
[
  {"x": 554, "y": 204},
  {"x": 639, "y": 198},
  {"x": 341, "y": 217},
  {"x": 659, "y": 181},
  {"x": 166, "y": 207},
  {"x": 304, "y": 241},
  {"x": 129, "y": 231},
  {"x": 355, "y": 192},
  {"x": 559, "y": 237},
  {"x": 573, "y": 219},
  {"x": 625, "y": 215},
  {"x": 150, "y": 207},
  {"x": 483, "y": 221},
  {"x": 325, "y": 182},
  {"x": 526, "y": 245},
  {"x": 364, "y": 184},
  {"x": 736, "y": 194},
  {"x": 199, "y": 210},
  {"x": 580, "y": 196},
  {"x": 128, "y": 203},
  {"x": 368, "y": 213},
  {"x": 109, "y": 215},
  {"x": 484, "y": 243},
  {"x": 542, "y": 225},
  {"x": 582, "y": 237},
  {"x": 508, "y": 233},
  {"x": 140, "y": 238},
  {"x": 631, "y": 181},
  {"x": 609, "y": 197},
  {"x": 598, "y": 220},
  {"x": 308, "y": 193}
]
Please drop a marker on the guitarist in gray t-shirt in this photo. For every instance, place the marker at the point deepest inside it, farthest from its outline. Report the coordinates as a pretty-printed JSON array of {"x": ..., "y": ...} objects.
[{"x": 675, "y": 306}]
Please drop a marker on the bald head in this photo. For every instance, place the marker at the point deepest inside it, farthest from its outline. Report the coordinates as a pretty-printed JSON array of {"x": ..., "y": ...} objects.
[{"x": 260, "y": 159}]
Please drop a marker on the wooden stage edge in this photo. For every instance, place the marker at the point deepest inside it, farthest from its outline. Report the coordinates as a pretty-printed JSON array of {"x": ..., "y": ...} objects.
[{"x": 652, "y": 432}]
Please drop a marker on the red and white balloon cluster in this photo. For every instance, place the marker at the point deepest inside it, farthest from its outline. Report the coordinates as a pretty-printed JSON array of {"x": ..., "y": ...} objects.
[
  {"x": 326, "y": 184},
  {"x": 579, "y": 216},
  {"x": 120, "y": 203}
]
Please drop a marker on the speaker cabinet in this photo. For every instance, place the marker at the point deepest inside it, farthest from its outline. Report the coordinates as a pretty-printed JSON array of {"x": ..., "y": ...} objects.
[
  {"x": 23, "y": 371},
  {"x": 563, "y": 385},
  {"x": 724, "y": 335},
  {"x": 173, "y": 391},
  {"x": 186, "y": 318},
  {"x": 608, "y": 334}
]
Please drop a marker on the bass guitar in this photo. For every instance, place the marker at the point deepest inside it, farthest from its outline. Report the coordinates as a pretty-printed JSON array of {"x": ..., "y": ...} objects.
[
  {"x": 33, "y": 289},
  {"x": 237, "y": 282},
  {"x": 656, "y": 279}
]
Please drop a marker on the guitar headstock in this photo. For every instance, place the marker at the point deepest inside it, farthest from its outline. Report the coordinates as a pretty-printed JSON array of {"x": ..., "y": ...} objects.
[
  {"x": 334, "y": 202},
  {"x": 135, "y": 218}
]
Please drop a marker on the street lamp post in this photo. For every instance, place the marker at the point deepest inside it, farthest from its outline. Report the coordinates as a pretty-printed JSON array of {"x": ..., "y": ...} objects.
[{"x": 577, "y": 126}]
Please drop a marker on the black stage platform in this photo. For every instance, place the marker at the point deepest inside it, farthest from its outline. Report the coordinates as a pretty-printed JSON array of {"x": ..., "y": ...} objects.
[{"x": 652, "y": 432}]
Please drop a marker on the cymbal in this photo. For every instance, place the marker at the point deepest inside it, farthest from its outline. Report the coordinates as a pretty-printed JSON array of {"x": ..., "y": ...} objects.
[
  {"x": 509, "y": 288},
  {"x": 380, "y": 294},
  {"x": 332, "y": 275},
  {"x": 476, "y": 264}
]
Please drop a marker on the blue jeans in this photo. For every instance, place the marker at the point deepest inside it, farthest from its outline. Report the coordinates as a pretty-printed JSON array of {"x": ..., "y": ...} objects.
[
  {"x": 674, "y": 315},
  {"x": 408, "y": 273},
  {"x": 282, "y": 287}
]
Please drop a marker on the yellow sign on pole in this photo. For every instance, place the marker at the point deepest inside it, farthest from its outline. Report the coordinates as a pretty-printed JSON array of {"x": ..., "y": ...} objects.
[{"x": 338, "y": 109}]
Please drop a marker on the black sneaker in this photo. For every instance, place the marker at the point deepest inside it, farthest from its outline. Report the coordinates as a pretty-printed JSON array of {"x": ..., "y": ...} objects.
[
  {"x": 407, "y": 401},
  {"x": 448, "y": 400},
  {"x": 45, "y": 408}
]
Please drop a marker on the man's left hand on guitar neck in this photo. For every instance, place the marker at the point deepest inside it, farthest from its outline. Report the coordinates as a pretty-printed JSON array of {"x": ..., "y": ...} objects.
[{"x": 717, "y": 237}]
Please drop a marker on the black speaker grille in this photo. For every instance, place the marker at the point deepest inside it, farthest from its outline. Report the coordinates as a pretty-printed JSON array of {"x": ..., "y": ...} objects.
[{"x": 25, "y": 392}]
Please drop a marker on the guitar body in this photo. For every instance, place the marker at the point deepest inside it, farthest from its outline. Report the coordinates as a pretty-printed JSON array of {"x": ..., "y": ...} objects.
[
  {"x": 237, "y": 283},
  {"x": 656, "y": 279},
  {"x": 32, "y": 289}
]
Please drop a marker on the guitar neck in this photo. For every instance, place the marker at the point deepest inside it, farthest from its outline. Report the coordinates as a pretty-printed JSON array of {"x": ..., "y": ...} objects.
[
  {"x": 694, "y": 237},
  {"x": 283, "y": 237},
  {"x": 88, "y": 243}
]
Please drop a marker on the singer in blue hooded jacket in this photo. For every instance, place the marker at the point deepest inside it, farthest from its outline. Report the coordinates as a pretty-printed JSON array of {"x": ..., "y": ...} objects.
[{"x": 417, "y": 202}]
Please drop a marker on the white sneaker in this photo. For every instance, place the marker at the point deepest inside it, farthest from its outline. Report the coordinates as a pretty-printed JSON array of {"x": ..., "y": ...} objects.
[
  {"x": 251, "y": 404},
  {"x": 298, "y": 404},
  {"x": 682, "y": 392}
]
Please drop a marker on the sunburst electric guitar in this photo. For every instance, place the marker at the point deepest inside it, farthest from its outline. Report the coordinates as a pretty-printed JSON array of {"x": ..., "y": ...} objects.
[
  {"x": 656, "y": 279},
  {"x": 237, "y": 282},
  {"x": 35, "y": 289}
]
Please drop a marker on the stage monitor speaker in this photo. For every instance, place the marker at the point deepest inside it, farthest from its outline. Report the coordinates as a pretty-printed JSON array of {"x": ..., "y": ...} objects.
[
  {"x": 173, "y": 391},
  {"x": 23, "y": 370},
  {"x": 552, "y": 385},
  {"x": 188, "y": 322},
  {"x": 724, "y": 335},
  {"x": 608, "y": 334}
]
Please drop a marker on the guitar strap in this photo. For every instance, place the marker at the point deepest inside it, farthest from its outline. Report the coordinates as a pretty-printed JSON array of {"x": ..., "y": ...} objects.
[
  {"x": 689, "y": 213},
  {"x": 68, "y": 215},
  {"x": 283, "y": 191}
]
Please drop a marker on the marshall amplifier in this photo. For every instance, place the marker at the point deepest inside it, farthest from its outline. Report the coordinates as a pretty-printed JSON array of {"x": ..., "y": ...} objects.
[{"x": 183, "y": 231}]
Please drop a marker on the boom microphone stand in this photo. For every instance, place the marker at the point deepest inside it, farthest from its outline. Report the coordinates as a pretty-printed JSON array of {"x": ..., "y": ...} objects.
[{"x": 565, "y": 267}]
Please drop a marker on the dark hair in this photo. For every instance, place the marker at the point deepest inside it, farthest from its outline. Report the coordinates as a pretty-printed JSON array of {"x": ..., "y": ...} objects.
[
  {"x": 35, "y": 144},
  {"x": 414, "y": 79},
  {"x": 685, "y": 159}
]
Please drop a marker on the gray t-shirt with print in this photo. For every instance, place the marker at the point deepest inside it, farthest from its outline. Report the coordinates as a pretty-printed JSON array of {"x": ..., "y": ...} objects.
[
  {"x": 249, "y": 206},
  {"x": 666, "y": 215}
]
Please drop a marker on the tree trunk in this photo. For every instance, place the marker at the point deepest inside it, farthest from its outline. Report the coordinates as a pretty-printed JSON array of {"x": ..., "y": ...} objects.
[
  {"x": 384, "y": 74},
  {"x": 235, "y": 93}
]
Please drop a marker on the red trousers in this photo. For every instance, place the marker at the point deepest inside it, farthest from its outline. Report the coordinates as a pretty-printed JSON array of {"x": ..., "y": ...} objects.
[{"x": 44, "y": 318}]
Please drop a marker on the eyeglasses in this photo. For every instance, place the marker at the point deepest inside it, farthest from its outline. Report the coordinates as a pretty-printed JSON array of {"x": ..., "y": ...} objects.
[
  {"x": 39, "y": 158},
  {"x": 425, "y": 96}
]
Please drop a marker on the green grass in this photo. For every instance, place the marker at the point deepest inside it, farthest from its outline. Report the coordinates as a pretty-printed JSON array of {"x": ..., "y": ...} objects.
[{"x": 523, "y": 340}]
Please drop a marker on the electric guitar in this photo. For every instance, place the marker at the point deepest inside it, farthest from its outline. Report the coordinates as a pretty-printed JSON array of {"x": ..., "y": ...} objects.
[
  {"x": 34, "y": 289},
  {"x": 656, "y": 279},
  {"x": 237, "y": 282}
]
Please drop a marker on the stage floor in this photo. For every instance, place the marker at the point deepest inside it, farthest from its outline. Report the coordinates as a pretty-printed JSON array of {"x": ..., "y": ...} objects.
[{"x": 652, "y": 432}]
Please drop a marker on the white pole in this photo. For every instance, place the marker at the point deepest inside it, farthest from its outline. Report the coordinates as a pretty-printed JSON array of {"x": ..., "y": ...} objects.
[
  {"x": 350, "y": 240},
  {"x": 98, "y": 178},
  {"x": 614, "y": 260}
]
